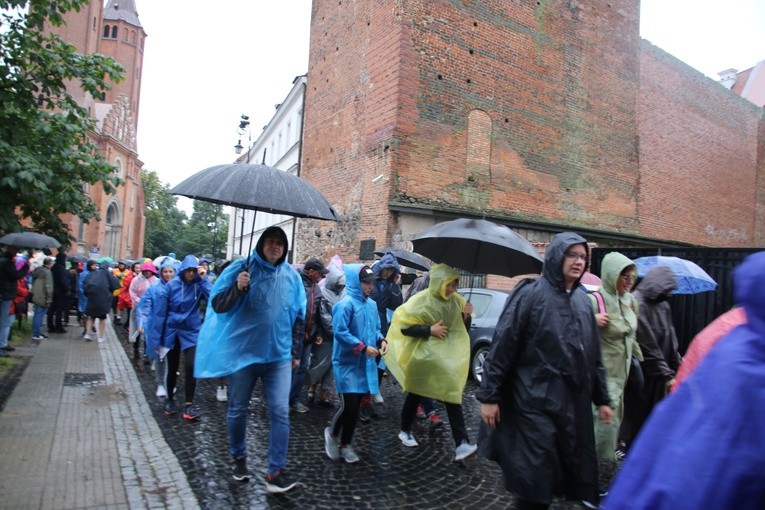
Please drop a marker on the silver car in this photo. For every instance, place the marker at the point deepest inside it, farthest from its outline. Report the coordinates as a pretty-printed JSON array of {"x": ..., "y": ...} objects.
[{"x": 487, "y": 308}]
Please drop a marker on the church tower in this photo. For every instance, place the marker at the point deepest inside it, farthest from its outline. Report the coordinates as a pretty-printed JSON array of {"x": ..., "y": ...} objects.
[{"x": 116, "y": 32}]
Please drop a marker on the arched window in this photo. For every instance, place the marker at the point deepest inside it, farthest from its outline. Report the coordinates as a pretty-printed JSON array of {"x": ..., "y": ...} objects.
[
  {"x": 114, "y": 32},
  {"x": 118, "y": 168},
  {"x": 106, "y": 30}
]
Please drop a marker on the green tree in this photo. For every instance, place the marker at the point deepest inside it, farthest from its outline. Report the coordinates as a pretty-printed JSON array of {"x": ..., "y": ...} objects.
[
  {"x": 165, "y": 223},
  {"x": 206, "y": 231},
  {"x": 46, "y": 153}
]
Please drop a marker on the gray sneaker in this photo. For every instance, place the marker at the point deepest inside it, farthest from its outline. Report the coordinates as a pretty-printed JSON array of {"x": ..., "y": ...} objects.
[
  {"x": 464, "y": 451},
  {"x": 347, "y": 453},
  {"x": 299, "y": 408},
  {"x": 330, "y": 445}
]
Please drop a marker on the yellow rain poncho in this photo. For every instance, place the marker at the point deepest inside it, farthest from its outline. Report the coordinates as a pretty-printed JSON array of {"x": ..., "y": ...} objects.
[{"x": 432, "y": 367}]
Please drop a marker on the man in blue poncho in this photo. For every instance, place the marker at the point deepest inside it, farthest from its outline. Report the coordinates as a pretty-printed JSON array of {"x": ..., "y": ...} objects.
[{"x": 257, "y": 305}]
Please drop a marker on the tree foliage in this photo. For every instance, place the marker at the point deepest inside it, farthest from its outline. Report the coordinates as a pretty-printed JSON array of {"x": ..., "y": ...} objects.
[
  {"x": 46, "y": 153},
  {"x": 169, "y": 230}
]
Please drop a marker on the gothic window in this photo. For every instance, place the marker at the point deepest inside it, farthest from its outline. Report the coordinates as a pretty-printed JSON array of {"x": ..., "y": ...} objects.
[
  {"x": 112, "y": 215},
  {"x": 106, "y": 30},
  {"x": 114, "y": 32},
  {"x": 118, "y": 168},
  {"x": 81, "y": 232}
]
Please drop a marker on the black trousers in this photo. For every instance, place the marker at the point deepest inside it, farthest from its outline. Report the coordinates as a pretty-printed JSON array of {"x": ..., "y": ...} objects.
[
  {"x": 173, "y": 362},
  {"x": 453, "y": 411},
  {"x": 347, "y": 416}
]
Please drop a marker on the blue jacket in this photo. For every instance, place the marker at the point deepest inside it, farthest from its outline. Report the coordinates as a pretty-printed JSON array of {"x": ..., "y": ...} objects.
[
  {"x": 702, "y": 447},
  {"x": 82, "y": 299},
  {"x": 356, "y": 322},
  {"x": 175, "y": 312},
  {"x": 259, "y": 326}
]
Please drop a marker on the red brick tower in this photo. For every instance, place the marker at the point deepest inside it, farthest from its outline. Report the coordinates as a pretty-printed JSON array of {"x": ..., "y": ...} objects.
[{"x": 522, "y": 112}]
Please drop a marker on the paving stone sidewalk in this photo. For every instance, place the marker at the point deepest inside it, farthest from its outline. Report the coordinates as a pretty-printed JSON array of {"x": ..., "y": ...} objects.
[{"x": 77, "y": 433}]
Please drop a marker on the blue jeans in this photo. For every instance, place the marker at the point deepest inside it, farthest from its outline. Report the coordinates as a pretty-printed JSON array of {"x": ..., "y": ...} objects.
[
  {"x": 37, "y": 320},
  {"x": 6, "y": 320},
  {"x": 276, "y": 379},
  {"x": 298, "y": 377}
]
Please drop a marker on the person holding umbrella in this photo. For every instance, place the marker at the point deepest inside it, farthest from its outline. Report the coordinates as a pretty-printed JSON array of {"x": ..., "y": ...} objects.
[
  {"x": 251, "y": 331},
  {"x": 541, "y": 377}
]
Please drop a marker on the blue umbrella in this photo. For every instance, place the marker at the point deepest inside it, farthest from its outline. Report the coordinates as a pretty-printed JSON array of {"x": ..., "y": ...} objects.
[{"x": 691, "y": 279}]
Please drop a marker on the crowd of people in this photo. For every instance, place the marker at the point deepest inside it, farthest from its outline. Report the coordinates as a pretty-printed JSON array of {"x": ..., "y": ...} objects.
[{"x": 574, "y": 378}]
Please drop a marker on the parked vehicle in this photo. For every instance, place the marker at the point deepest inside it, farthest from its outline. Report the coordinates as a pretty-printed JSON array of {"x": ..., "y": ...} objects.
[{"x": 487, "y": 308}]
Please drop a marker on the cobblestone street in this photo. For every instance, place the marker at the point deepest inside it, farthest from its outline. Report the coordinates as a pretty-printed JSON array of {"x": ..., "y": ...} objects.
[{"x": 388, "y": 475}]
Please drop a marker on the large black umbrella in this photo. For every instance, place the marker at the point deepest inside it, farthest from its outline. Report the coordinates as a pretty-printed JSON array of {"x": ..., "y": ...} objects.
[
  {"x": 406, "y": 258},
  {"x": 258, "y": 188},
  {"x": 29, "y": 240},
  {"x": 479, "y": 247},
  {"x": 76, "y": 258}
]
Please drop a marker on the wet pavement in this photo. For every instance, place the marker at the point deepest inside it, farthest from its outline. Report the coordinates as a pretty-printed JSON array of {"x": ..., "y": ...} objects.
[{"x": 389, "y": 475}]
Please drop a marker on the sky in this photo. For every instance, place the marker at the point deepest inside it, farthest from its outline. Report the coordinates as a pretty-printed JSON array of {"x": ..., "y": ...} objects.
[{"x": 204, "y": 66}]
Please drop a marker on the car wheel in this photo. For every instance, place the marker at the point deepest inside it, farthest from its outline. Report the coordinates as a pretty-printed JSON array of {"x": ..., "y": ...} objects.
[{"x": 476, "y": 367}]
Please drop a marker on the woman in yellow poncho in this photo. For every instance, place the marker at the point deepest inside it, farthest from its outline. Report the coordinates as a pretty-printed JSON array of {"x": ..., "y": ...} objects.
[{"x": 429, "y": 353}]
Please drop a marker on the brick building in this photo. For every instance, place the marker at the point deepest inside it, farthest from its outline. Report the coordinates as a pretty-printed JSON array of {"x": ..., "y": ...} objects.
[
  {"x": 545, "y": 116},
  {"x": 114, "y": 31}
]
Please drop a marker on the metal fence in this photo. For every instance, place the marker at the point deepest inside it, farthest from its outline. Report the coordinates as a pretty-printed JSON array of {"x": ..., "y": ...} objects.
[{"x": 691, "y": 313}]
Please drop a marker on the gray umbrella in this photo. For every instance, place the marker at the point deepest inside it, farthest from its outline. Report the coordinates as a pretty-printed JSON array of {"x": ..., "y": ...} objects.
[
  {"x": 406, "y": 258},
  {"x": 259, "y": 188},
  {"x": 29, "y": 240},
  {"x": 478, "y": 246}
]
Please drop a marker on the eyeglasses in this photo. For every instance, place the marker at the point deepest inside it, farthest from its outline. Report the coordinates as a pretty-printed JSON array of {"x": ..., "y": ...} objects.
[
  {"x": 628, "y": 277},
  {"x": 575, "y": 256}
]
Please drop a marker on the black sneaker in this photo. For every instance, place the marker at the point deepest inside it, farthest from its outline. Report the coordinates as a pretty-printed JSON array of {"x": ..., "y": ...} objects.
[
  {"x": 8, "y": 348},
  {"x": 279, "y": 482},
  {"x": 240, "y": 470},
  {"x": 170, "y": 408}
]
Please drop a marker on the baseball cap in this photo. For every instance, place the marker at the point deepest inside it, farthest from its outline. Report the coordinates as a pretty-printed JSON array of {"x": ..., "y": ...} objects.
[
  {"x": 316, "y": 265},
  {"x": 366, "y": 274}
]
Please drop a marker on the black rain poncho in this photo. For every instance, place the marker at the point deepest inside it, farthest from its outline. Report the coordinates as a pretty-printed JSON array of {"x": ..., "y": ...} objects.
[{"x": 544, "y": 371}]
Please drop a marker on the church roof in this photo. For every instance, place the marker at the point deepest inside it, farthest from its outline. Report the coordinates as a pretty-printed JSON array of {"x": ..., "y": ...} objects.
[{"x": 122, "y": 10}]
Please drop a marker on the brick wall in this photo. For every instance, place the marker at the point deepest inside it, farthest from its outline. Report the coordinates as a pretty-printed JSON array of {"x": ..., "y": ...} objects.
[
  {"x": 698, "y": 156},
  {"x": 544, "y": 113}
]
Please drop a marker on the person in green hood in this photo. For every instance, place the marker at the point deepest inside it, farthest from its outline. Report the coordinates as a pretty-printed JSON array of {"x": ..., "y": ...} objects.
[{"x": 616, "y": 313}]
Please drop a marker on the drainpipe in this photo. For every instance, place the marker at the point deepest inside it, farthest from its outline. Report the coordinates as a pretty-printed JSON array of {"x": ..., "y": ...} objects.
[{"x": 299, "y": 165}]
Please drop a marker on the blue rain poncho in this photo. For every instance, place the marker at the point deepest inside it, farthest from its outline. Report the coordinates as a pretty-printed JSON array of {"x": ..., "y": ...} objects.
[
  {"x": 432, "y": 367},
  {"x": 258, "y": 329},
  {"x": 145, "y": 308},
  {"x": 355, "y": 321},
  {"x": 175, "y": 312}
]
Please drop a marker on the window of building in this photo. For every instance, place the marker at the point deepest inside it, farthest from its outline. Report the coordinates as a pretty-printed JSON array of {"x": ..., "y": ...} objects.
[
  {"x": 81, "y": 232},
  {"x": 118, "y": 168},
  {"x": 114, "y": 32},
  {"x": 106, "y": 30}
]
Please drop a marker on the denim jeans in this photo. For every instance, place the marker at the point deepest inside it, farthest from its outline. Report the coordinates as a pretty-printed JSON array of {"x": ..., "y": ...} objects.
[
  {"x": 6, "y": 320},
  {"x": 276, "y": 378},
  {"x": 298, "y": 376},
  {"x": 37, "y": 320}
]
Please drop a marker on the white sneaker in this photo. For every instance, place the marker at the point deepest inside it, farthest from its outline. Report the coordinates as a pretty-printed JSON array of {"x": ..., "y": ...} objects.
[
  {"x": 347, "y": 453},
  {"x": 379, "y": 398},
  {"x": 464, "y": 451},
  {"x": 407, "y": 439},
  {"x": 161, "y": 391},
  {"x": 88, "y": 337},
  {"x": 330, "y": 445},
  {"x": 100, "y": 339},
  {"x": 222, "y": 394}
]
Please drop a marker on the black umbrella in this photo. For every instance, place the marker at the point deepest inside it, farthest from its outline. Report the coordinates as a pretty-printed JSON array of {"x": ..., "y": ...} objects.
[
  {"x": 479, "y": 247},
  {"x": 127, "y": 262},
  {"x": 258, "y": 188},
  {"x": 76, "y": 259},
  {"x": 406, "y": 258},
  {"x": 29, "y": 240}
]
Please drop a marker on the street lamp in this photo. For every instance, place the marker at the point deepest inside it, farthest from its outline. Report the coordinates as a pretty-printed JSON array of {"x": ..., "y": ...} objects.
[{"x": 244, "y": 127}]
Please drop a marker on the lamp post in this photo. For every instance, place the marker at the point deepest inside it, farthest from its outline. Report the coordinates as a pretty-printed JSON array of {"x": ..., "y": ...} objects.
[{"x": 244, "y": 127}]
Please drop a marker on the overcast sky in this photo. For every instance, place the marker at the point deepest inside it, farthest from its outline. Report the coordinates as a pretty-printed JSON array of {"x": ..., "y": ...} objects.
[{"x": 207, "y": 63}]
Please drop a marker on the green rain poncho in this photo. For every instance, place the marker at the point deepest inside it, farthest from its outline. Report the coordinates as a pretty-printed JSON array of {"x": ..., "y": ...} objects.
[{"x": 432, "y": 367}]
